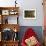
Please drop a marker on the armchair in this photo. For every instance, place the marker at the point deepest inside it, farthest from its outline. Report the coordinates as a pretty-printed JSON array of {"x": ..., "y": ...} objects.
[{"x": 30, "y": 38}]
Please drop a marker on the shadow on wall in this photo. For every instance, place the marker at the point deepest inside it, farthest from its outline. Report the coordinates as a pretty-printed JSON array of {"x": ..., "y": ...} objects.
[{"x": 37, "y": 29}]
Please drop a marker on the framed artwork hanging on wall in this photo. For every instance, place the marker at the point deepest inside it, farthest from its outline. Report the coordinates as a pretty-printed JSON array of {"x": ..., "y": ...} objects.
[
  {"x": 29, "y": 14},
  {"x": 5, "y": 12}
]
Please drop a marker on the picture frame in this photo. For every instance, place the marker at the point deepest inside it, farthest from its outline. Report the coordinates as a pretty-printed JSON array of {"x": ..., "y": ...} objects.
[
  {"x": 5, "y": 12},
  {"x": 29, "y": 14},
  {"x": 13, "y": 12}
]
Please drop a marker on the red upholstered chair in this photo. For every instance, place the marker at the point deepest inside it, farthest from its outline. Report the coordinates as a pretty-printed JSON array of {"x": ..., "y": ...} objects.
[{"x": 29, "y": 33}]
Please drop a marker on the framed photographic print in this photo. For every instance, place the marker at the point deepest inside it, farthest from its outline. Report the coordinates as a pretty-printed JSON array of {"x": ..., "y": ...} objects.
[
  {"x": 5, "y": 12},
  {"x": 30, "y": 14}
]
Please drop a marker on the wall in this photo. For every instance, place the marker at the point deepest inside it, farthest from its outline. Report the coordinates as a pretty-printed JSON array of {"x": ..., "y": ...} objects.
[
  {"x": 27, "y": 4},
  {"x": 32, "y": 4}
]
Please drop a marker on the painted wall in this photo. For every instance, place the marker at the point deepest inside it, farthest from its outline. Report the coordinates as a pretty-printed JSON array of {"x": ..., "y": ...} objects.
[
  {"x": 33, "y": 4},
  {"x": 27, "y": 4}
]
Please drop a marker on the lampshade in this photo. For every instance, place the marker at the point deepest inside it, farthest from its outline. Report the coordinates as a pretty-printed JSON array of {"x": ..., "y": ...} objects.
[{"x": 15, "y": 30}]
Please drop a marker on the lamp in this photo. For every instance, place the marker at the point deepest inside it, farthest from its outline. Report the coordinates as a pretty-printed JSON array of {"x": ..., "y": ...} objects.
[{"x": 15, "y": 30}]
